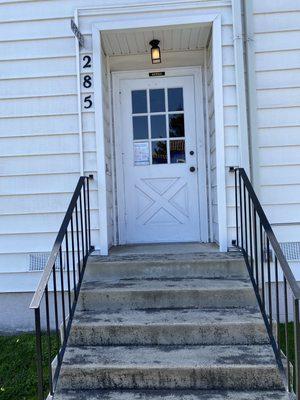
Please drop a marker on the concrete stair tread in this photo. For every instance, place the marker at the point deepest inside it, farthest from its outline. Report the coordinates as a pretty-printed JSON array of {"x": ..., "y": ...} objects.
[
  {"x": 181, "y": 316},
  {"x": 167, "y": 265},
  {"x": 170, "y": 395},
  {"x": 167, "y": 284},
  {"x": 168, "y": 257},
  {"x": 169, "y": 357}
]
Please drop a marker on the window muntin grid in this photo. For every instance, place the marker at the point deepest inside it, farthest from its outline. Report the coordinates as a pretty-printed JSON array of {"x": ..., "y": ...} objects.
[{"x": 157, "y": 124}]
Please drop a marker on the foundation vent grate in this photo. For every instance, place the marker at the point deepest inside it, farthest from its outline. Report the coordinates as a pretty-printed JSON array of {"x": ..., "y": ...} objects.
[
  {"x": 291, "y": 250},
  {"x": 38, "y": 261}
]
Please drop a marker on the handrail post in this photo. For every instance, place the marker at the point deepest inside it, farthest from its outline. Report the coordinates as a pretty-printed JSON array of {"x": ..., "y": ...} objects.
[
  {"x": 297, "y": 348},
  {"x": 89, "y": 211},
  {"x": 38, "y": 344},
  {"x": 236, "y": 208}
]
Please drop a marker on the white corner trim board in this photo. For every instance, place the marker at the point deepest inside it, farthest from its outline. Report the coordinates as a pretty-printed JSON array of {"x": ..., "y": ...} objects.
[{"x": 165, "y": 16}]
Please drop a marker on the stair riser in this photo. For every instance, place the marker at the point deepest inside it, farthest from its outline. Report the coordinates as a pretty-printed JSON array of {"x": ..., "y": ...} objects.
[
  {"x": 172, "y": 395},
  {"x": 170, "y": 269},
  {"x": 249, "y": 378},
  {"x": 113, "y": 300},
  {"x": 169, "y": 335}
]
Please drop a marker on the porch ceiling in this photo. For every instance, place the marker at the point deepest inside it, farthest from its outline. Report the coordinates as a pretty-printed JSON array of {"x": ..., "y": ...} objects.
[{"x": 172, "y": 38}]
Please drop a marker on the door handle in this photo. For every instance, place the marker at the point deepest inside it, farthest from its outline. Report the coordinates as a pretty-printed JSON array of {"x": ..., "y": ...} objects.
[{"x": 192, "y": 169}]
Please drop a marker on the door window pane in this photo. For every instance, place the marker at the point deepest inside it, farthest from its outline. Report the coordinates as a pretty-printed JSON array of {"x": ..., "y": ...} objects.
[
  {"x": 139, "y": 101},
  {"x": 177, "y": 151},
  {"x": 176, "y": 125},
  {"x": 175, "y": 99},
  {"x": 158, "y": 126},
  {"x": 157, "y": 100},
  {"x": 159, "y": 152},
  {"x": 140, "y": 128}
]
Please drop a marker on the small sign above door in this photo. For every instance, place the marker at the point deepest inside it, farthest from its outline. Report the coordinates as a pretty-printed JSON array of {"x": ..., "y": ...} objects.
[{"x": 158, "y": 73}]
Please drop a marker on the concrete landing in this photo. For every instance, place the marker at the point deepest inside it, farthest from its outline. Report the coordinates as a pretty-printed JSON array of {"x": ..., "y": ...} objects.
[{"x": 163, "y": 248}]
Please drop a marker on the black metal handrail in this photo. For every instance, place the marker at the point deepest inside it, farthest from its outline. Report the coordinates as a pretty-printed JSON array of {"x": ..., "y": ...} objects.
[
  {"x": 268, "y": 267},
  {"x": 68, "y": 259}
]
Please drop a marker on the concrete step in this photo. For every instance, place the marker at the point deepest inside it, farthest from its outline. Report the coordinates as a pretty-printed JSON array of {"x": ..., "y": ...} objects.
[
  {"x": 170, "y": 367},
  {"x": 211, "y": 265},
  {"x": 171, "y": 395},
  {"x": 168, "y": 327},
  {"x": 166, "y": 293}
]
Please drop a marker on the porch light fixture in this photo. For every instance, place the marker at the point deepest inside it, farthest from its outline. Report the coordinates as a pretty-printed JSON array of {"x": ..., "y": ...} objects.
[{"x": 155, "y": 51}]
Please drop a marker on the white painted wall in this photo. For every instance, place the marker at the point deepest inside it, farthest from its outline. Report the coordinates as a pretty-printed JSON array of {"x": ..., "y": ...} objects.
[{"x": 277, "y": 62}]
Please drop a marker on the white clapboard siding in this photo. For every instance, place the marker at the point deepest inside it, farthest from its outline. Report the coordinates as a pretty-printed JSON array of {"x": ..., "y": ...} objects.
[
  {"x": 278, "y": 116},
  {"x": 231, "y": 135},
  {"x": 39, "y": 203},
  {"x": 19, "y": 243},
  {"x": 279, "y": 97},
  {"x": 270, "y": 6},
  {"x": 39, "y": 67},
  {"x": 280, "y": 175},
  {"x": 54, "y": 163},
  {"x": 38, "y": 106},
  {"x": 275, "y": 194},
  {"x": 28, "y": 87},
  {"x": 228, "y": 75},
  {"x": 277, "y": 41},
  {"x": 35, "y": 223},
  {"x": 277, "y": 61},
  {"x": 35, "y": 144},
  {"x": 273, "y": 79},
  {"x": 281, "y": 155},
  {"x": 37, "y": 49},
  {"x": 279, "y": 136},
  {"x": 268, "y": 22}
]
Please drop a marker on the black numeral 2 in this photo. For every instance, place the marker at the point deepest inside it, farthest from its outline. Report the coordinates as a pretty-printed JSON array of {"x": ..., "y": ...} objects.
[{"x": 87, "y": 60}]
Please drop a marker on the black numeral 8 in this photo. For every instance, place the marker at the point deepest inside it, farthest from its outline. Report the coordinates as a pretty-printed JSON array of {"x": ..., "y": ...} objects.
[{"x": 87, "y": 81}]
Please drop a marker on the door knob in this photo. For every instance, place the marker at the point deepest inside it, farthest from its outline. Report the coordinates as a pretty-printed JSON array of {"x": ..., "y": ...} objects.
[{"x": 192, "y": 169}]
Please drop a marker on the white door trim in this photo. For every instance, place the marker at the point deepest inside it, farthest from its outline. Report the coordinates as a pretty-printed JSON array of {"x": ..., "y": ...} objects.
[
  {"x": 142, "y": 20},
  {"x": 196, "y": 73}
]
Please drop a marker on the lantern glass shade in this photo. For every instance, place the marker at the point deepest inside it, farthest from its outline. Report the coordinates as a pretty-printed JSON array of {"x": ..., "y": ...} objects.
[{"x": 155, "y": 52}]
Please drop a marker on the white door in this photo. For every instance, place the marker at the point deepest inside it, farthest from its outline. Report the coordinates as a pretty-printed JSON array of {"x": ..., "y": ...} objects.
[{"x": 159, "y": 158}]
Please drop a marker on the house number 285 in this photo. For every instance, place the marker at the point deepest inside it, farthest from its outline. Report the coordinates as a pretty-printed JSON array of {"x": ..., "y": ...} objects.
[{"x": 87, "y": 81}]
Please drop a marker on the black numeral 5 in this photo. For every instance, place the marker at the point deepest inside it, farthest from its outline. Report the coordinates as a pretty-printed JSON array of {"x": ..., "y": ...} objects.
[{"x": 88, "y": 101}]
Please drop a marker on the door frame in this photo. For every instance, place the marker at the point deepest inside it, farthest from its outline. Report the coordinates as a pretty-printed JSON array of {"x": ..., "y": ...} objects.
[
  {"x": 166, "y": 14},
  {"x": 196, "y": 73}
]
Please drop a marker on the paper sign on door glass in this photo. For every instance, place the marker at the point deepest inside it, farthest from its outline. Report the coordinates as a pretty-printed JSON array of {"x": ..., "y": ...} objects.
[{"x": 141, "y": 153}]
